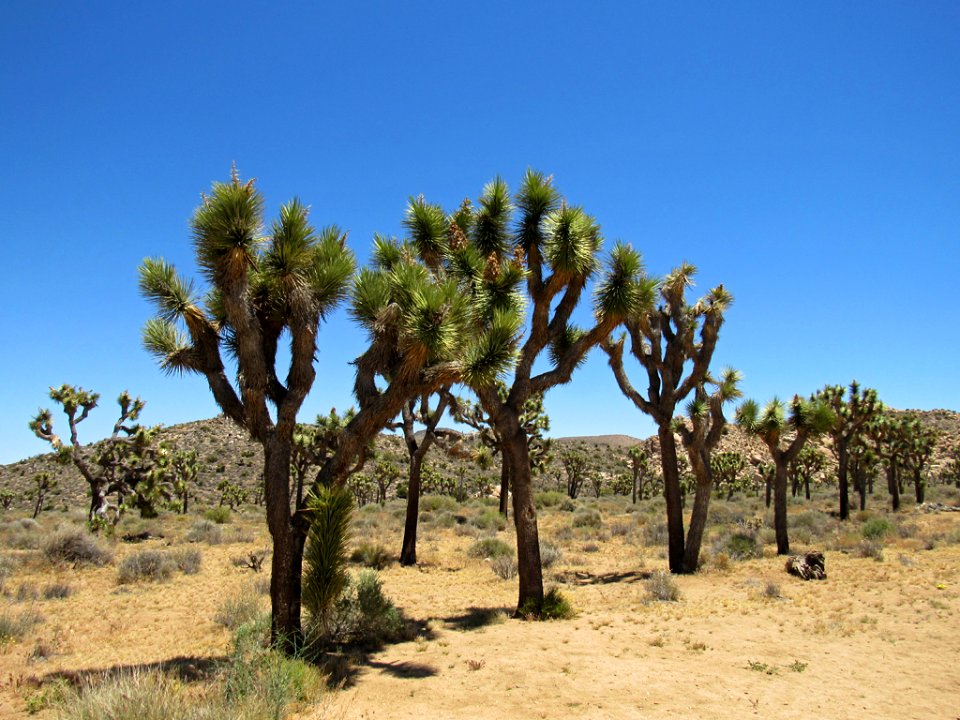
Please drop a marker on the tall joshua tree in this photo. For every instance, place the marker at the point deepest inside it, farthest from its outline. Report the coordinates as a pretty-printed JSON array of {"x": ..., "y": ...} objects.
[
  {"x": 545, "y": 256},
  {"x": 807, "y": 418},
  {"x": 261, "y": 288},
  {"x": 804, "y": 468},
  {"x": 852, "y": 411},
  {"x": 700, "y": 437},
  {"x": 674, "y": 343},
  {"x": 917, "y": 448}
]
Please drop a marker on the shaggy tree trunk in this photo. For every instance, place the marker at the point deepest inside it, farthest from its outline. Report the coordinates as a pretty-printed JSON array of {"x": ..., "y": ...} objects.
[
  {"x": 288, "y": 541},
  {"x": 529, "y": 569},
  {"x": 408, "y": 552},
  {"x": 98, "y": 501},
  {"x": 842, "y": 482},
  {"x": 780, "y": 507},
  {"x": 504, "y": 487},
  {"x": 698, "y": 522},
  {"x": 672, "y": 494},
  {"x": 893, "y": 486},
  {"x": 769, "y": 489},
  {"x": 806, "y": 487},
  {"x": 918, "y": 486}
]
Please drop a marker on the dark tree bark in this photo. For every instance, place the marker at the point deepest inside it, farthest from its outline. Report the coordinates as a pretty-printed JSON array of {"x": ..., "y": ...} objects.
[
  {"x": 893, "y": 486},
  {"x": 673, "y": 496}
]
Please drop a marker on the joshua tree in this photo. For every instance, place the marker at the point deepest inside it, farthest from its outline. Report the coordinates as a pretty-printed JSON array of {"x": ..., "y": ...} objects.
[
  {"x": 385, "y": 474},
  {"x": 852, "y": 411},
  {"x": 575, "y": 466},
  {"x": 118, "y": 465},
  {"x": 886, "y": 433},
  {"x": 639, "y": 458},
  {"x": 673, "y": 343},
  {"x": 7, "y": 498},
  {"x": 804, "y": 468},
  {"x": 700, "y": 437},
  {"x": 727, "y": 468},
  {"x": 918, "y": 445},
  {"x": 418, "y": 410},
  {"x": 43, "y": 487},
  {"x": 862, "y": 464},
  {"x": 552, "y": 251},
  {"x": 952, "y": 471},
  {"x": 808, "y": 418}
]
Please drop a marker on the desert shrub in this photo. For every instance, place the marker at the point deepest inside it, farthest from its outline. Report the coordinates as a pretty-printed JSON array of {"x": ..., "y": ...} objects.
[
  {"x": 771, "y": 590},
  {"x": 76, "y": 547},
  {"x": 490, "y": 548},
  {"x": 550, "y": 554},
  {"x": 719, "y": 561},
  {"x": 655, "y": 533},
  {"x": 433, "y": 503},
  {"x": 27, "y": 524},
  {"x": 6, "y": 569},
  {"x": 187, "y": 560},
  {"x": 219, "y": 514},
  {"x": 504, "y": 566},
  {"x": 870, "y": 549},
  {"x": 567, "y": 505},
  {"x": 876, "y": 528},
  {"x": 587, "y": 517},
  {"x": 237, "y": 610},
  {"x": 661, "y": 587},
  {"x": 908, "y": 530},
  {"x": 766, "y": 536},
  {"x": 742, "y": 546},
  {"x": 205, "y": 531},
  {"x": 26, "y": 592},
  {"x": 814, "y": 521},
  {"x": 18, "y": 537},
  {"x": 489, "y": 520},
  {"x": 590, "y": 547},
  {"x": 549, "y": 498},
  {"x": 619, "y": 529},
  {"x": 372, "y": 555},
  {"x": 363, "y": 615},
  {"x": 445, "y": 519},
  {"x": 14, "y": 626},
  {"x": 555, "y": 607},
  {"x": 57, "y": 591},
  {"x": 145, "y": 565}
]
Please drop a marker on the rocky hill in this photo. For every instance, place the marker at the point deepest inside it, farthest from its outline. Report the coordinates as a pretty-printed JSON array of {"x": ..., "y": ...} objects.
[{"x": 225, "y": 451}]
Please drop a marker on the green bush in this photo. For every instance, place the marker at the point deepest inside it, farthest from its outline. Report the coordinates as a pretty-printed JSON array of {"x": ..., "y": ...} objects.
[
  {"x": 77, "y": 547},
  {"x": 489, "y": 520},
  {"x": 238, "y": 610},
  {"x": 490, "y": 548},
  {"x": 145, "y": 565},
  {"x": 219, "y": 514},
  {"x": 587, "y": 518},
  {"x": 876, "y": 528},
  {"x": 549, "y": 498},
  {"x": 567, "y": 505},
  {"x": 555, "y": 607},
  {"x": 372, "y": 555},
  {"x": 432, "y": 503},
  {"x": 742, "y": 546}
]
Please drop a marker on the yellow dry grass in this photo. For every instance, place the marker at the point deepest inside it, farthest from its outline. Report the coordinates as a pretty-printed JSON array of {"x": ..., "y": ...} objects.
[{"x": 876, "y": 639}]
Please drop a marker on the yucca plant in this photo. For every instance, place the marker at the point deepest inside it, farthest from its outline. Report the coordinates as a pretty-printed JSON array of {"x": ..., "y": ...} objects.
[
  {"x": 804, "y": 468},
  {"x": 325, "y": 557},
  {"x": 772, "y": 424}
]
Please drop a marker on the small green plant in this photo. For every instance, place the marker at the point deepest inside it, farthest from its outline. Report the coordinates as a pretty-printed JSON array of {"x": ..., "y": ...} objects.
[
  {"x": 76, "y": 547},
  {"x": 762, "y": 667},
  {"x": 549, "y": 498},
  {"x": 145, "y": 565},
  {"x": 661, "y": 587},
  {"x": 205, "y": 531},
  {"x": 876, "y": 528},
  {"x": 490, "y": 548},
  {"x": 743, "y": 546},
  {"x": 238, "y": 610},
  {"x": 797, "y": 666},
  {"x": 371, "y": 555},
  {"x": 587, "y": 517},
  {"x": 567, "y": 505},
  {"x": 219, "y": 514},
  {"x": 555, "y": 607},
  {"x": 489, "y": 520}
]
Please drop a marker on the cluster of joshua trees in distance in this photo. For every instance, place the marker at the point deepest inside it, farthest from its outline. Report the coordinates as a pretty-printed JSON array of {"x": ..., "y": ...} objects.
[{"x": 481, "y": 297}]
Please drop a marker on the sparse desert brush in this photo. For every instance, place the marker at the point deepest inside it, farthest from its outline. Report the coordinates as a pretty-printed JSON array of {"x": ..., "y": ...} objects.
[
  {"x": 548, "y": 498},
  {"x": 504, "y": 567},
  {"x": 372, "y": 555},
  {"x": 655, "y": 534},
  {"x": 145, "y": 566},
  {"x": 876, "y": 528},
  {"x": 15, "y": 626},
  {"x": 238, "y": 610},
  {"x": 550, "y": 554},
  {"x": 588, "y": 517},
  {"x": 661, "y": 587},
  {"x": 57, "y": 591},
  {"x": 740, "y": 546},
  {"x": 433, "y": 503},
  {"x": 205, "y": 531},
  {"x": 567, "y": 505},
  {"x": 219, "y": 514},
  {"x": 489, "y": 519},
  {"x": 187, "y": 560},
  {"x": 870, "y": 549},
  {"x": 76, "y": 547},
  {"x": 490, "y": 548}
]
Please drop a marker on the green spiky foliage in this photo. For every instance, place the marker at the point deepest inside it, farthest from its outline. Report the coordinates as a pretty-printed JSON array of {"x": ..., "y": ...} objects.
[
  {"x": 700, "y": 433},
  {"x": 325, "y": 574},
  {"x": 673, "y": 342},
  {"x": 7, "y": 499},
  {"x": 44, "y": 486},
  {"x": 805, "y": 468},
  {"x": 773, "y": 424},
  {"x": 863, "y": 465},
  {"x": 727, "y": 468},
  {"x": 266, "y": 283},
  {"x": 886, "y": 435},
  {"x": 917, "y": 447},
  {"x": 119, "y": 466},
  {"x": 640, "y": 473},
  {"x": 853, "y": 409}
]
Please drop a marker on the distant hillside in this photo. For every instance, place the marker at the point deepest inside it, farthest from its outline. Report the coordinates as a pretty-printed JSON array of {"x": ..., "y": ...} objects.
[{"x": 226, "y": 451}]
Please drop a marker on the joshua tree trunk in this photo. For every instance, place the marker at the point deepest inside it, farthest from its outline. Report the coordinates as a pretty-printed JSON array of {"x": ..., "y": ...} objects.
[
  {"x": 893, "y": 486},
  {"x": 408, "y": 552},
  {"x": 289, "y": 535},
  {"x": 516, "y": 453},
  {"x": 698, "y": 521},
  {"x": 918, "y": 485},
  {"x": 806, "y": 487},
  {"x": 98, "y": 500},
  {"x": 842, "y": 482},
  {"x": 769, "y": 489},
  {"x": 672, "y": 494},
  {"x": 504, "y": 487},
  {"x": 780, "y": 507}
]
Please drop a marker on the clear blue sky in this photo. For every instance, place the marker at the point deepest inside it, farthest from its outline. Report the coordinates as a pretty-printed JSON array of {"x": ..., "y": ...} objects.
[{"x": 807, "y": 155}]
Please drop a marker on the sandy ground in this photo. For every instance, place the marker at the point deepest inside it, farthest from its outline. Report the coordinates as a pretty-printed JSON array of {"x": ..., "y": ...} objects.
[{"x": 876, "y": 639}]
